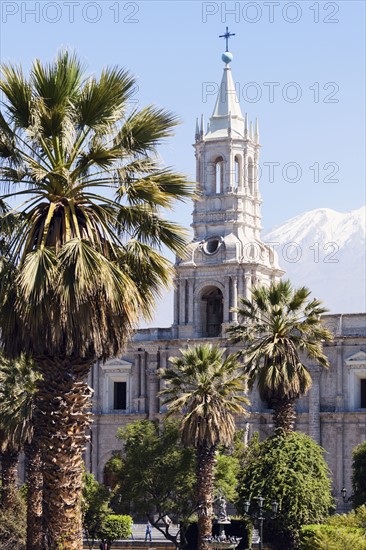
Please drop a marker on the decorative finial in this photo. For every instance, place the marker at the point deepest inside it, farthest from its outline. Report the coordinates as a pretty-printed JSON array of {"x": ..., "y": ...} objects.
[
  {"x": 251, "y": 130},
  {"x": 202, "y": 127},
  {"x": 197, "y": 135},
  {"x": 229, "y": 126},
  {"x": 227, "y": 36},
  {"x": 256, "y": 134},
  {"x": 227, "y": 57},
  {"x": 246, "y": 125}
]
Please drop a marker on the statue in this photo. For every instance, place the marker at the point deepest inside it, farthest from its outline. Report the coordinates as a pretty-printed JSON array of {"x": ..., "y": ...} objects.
[{"x": 222, "y": 515}]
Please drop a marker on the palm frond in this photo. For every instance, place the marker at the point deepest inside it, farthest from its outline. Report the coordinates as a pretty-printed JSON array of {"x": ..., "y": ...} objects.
[{"x": 208, "y": 389}]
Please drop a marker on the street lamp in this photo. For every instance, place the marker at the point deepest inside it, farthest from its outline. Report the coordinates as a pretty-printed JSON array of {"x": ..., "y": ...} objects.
[
  {"x": 260, "y": 515},
  {"x": 344, "y": 496}
]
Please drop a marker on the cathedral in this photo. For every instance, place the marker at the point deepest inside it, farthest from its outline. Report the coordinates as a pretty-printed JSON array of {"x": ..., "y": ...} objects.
[{"x": 224, "y": 260}]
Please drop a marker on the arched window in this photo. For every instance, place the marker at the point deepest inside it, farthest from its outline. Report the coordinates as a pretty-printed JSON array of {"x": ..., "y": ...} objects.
[
  {"x": 219, "y": 175},
  {"x": 212, "y": 311}
]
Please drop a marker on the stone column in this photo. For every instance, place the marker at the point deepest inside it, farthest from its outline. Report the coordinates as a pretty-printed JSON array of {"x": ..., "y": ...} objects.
[
  {"x": 234, "y": 294},
  {"x": 340, "y": 399},
  {"x": 153, "y": 382},
  {"x": 182, "y": 305},
  {"x": 245, "y": 173},
  {"x": 240, "y": 173},
  {"x": 94, "y": 444},
  {"x": 198, "y": 165},
  {"x": 135, "y": 383},
  {"x": 190, "y": 305},
  {"x": 240, "y": 284},
  {"x": 255, "y": 177},
  {"x": 142, "y": 381},
  {"x": 339, "y": 474},
  {"x": 314, "y": 405},
  {"x": 226, "y": 299},
  {"x": 176, "y": 303},
  {"x": 248, "y": 284},
  {"x": 164, "y": 356},
  {"x": 105, "y": 403}
]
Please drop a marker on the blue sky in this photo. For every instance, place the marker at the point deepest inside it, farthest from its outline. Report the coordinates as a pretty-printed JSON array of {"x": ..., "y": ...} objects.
[{"x": 313, "y": 51}]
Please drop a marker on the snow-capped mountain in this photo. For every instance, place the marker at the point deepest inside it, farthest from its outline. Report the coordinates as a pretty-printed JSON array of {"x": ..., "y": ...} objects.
[{"x": 325, "y": 251}]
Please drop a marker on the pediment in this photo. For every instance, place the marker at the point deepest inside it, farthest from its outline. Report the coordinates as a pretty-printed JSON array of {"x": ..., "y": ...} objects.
[
  {"x": 117, "y": 365},
  {"x": 356, "y": 359}
]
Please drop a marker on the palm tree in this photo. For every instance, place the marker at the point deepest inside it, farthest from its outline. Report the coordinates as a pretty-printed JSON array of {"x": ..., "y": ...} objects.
[
  {"x": 86, "y": 262},
  {"x": 207, "y": 389},
  {"x": 18, "y": 380},
  {"x": 280, "y": 326}
]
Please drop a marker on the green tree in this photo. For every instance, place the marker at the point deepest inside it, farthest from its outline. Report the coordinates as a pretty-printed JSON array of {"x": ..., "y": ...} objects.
[
  {"x": 94, "y": 507},
  {"x": 226, "y": 476},
  {"x": 85, "y": 262},
  {"x": 18, "y": 380},
  {"x": 206, "y": 389},
  {"x": 289, "y": 468},
  {"x": 115, "y": 527},
  {"x": 359, "y": 474},
  {"x": 279, "y": 326},
  {"x": 156, "y": 475}
]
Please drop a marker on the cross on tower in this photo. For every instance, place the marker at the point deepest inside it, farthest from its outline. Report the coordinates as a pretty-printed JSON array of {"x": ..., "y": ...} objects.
[{"x": 227, "y": 36}]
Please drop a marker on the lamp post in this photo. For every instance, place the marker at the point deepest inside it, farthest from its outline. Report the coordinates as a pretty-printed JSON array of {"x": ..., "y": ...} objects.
[
  {"x": 346, "y": 499},
  {"x": 259, "y": 515}
]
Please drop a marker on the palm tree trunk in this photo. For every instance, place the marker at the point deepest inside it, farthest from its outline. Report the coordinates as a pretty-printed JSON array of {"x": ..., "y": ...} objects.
[
  {"x": 34, "y": 497},
  {"x": 205, "y": 468},
  {"x": 62, "y": 418},
  {"x": 9, "y": 477},
  {"x": 284, "y": 415}
]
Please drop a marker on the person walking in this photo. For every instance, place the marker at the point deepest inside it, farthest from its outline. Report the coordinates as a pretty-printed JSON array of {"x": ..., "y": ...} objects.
[{"x": 148, "y": 531}]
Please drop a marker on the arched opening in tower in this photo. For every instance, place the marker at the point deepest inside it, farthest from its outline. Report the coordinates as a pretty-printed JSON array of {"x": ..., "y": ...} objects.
[
  {"x": 212, "y": 312},
  {"x": 219, "y": 175}
]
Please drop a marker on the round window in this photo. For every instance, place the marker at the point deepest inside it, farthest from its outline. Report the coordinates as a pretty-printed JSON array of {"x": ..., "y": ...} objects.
[{"x": 211, "y": 246}]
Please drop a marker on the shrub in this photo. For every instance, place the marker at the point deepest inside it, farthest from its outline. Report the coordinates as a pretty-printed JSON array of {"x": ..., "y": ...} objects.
[
  {"x": 341, "y": 532},
  {"x": 13, "y": 526},
  {"x": 331, "y": 537},
  {"x": 115, "y": 527}
]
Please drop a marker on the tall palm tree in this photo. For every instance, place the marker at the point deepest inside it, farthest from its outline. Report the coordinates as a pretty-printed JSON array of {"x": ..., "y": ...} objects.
[
  {"x": 281, "y": 326},
  {"x": 86, "y": 261},
  {"x": 18, "y": 380},
  {"x": 207, "y": 389}
]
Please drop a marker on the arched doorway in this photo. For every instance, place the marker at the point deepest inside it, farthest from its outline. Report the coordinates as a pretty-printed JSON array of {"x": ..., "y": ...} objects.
[{"x": 212, "y": 311}]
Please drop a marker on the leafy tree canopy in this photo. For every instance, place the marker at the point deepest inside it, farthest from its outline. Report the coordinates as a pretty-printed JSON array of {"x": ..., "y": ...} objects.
[
  {"x": 291, "y": 470},
  {"x": 226, "y": 476},
  {"x": 359, "y": 474},
  {"x": 94, "y": 506},
  {"x": 157, "y": 474}
]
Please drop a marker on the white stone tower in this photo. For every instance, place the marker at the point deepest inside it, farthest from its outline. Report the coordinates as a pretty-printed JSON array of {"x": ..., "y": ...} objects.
[{"x": 227, "y": 255}]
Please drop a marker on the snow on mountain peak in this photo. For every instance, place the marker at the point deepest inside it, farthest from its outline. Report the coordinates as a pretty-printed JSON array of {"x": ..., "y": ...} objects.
[{"x": 325, "y": 250}]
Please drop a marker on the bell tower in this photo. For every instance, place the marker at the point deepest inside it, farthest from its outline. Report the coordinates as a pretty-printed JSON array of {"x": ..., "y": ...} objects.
[{"x": 226, "y": 256}]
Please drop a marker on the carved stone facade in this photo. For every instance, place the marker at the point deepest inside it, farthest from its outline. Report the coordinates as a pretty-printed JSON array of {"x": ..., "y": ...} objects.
[{"x": 225, "y": 258}]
